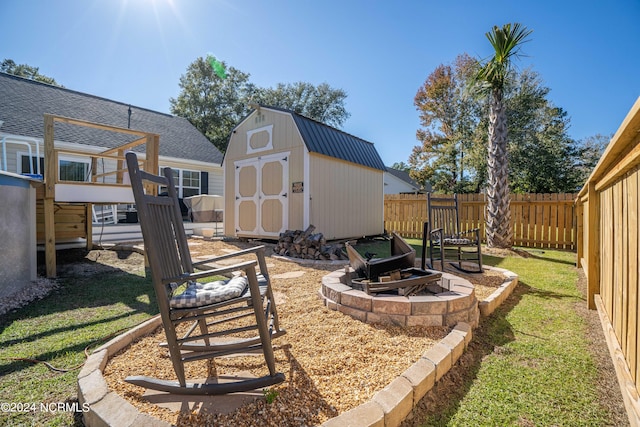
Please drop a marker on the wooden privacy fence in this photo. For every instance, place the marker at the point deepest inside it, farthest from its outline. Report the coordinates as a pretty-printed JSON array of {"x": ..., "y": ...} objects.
[
  {"x": 608, "y": 251},
  {"x": 539, "y": 220}
]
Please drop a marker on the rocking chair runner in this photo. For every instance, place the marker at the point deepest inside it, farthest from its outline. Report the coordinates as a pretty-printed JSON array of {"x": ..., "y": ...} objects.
[
  {"x": 444, "y": 236},
  {"x": 220, "y": 314}
]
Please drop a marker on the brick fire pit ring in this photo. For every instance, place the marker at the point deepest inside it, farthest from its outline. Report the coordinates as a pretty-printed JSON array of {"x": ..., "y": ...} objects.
[{"x": 457, "y": 303}]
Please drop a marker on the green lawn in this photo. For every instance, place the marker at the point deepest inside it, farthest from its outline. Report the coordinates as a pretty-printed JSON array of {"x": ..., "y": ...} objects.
[
  {"x": 532, "y": 365},
  {"x": 57, "y": 329}
]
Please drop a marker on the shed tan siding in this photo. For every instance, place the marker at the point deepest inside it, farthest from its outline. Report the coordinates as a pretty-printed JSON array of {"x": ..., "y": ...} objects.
[
  {"x": 285, "y": 139},
  {"x": 341, "y": 199},
  {"x": 355, "y": 210}
]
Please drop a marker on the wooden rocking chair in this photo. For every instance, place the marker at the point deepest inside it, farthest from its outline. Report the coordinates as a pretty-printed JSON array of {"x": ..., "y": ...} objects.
[
  {"x": 447, "y": 243},
  {"x": 221, "y": 314}
]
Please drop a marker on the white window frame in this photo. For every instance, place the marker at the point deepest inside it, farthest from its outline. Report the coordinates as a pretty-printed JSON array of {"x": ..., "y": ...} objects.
[
  {"x": 76, "y": 159},
  {"x": 180, "y": 184},
  {"x": 20, "y": 155},
  {"x": 61, "y": 158}
]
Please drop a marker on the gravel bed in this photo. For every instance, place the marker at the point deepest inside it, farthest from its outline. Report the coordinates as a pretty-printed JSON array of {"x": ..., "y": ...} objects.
[
  {"x": 40, "y": 289},
  {"x": 331, "y": 361}
]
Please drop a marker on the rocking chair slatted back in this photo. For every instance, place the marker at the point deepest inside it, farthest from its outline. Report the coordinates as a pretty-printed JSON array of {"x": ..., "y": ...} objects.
[
  {"x": 211, "y": 310},
  {"x": 443, "y": 232},
  {"x": 443, "y": 214},
  {"x": 161, "y": 223}
]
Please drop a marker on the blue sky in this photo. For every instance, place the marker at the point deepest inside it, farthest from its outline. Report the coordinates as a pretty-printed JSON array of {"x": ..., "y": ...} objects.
[{"x": 380, "y": 53}]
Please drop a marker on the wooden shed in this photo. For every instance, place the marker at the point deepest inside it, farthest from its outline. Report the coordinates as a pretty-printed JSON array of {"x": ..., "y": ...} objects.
[{"x": 284, "y": 171}]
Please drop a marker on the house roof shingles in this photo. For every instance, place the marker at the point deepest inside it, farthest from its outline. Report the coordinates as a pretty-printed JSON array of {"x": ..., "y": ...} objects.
[
  {"x": 403, "y": 175},
  {"x": 24, "y": 103}
]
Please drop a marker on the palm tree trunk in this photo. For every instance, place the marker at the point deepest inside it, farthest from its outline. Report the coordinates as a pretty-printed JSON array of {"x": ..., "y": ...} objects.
[{"x": 498, "y": 221}]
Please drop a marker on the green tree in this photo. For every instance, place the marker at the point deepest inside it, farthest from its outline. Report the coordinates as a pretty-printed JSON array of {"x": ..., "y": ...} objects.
[
  {"x": 401, "y": 166},
  {"x": 448, "y": 118},
  {"x": 541, "y": 153},
  {"x": 321, "y": 103},
  {"x": 492, "y": 77},
  {"x": 590, "y": 150},
  {"x": 27, "y": 71},
  {"x": 214, "y": 105},
  {"x": 542, "y": 157},
  {"x": 216, "y": 102}
]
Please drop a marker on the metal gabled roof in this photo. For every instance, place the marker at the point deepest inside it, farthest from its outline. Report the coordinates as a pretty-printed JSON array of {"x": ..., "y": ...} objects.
[{"x": 324, "y": 139}]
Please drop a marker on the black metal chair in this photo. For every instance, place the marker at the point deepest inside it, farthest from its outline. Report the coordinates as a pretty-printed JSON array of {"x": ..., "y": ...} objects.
[
  {"x": 221, "y": 313},
  {"x": 447, "y": 244}
]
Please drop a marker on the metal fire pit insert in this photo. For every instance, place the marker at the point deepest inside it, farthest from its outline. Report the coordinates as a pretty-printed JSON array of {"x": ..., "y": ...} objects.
[{"x": 393, "y": 274}]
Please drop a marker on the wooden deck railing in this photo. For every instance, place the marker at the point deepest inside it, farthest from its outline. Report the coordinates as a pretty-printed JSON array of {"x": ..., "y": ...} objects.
[
  {"x": 77, "y": 221},
  {"x": 539, "y": 220}
]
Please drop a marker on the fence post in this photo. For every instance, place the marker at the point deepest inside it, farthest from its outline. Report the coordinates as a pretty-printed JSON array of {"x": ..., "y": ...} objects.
[{"x": 593, "y": 251}]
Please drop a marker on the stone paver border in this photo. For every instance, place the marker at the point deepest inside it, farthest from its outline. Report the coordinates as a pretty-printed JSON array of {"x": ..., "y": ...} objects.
[
  {"x": 388, "y": 407},
  {"x": 457, "y": 304},
  {"x": 493, "y": 301}
]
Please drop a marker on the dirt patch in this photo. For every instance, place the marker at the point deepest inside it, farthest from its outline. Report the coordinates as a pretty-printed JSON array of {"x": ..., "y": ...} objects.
[
  {"x": 80, "y": 262},
  {"x": 608, "y": 387},
  {"x": 507, "y": 252}
]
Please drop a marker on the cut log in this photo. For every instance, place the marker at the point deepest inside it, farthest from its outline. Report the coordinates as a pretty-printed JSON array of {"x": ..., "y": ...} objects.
[{"x": 308, "y": 245}]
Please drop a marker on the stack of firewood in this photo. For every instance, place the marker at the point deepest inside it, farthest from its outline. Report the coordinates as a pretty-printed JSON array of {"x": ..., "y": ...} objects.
[{"x": 308, "y": 245}]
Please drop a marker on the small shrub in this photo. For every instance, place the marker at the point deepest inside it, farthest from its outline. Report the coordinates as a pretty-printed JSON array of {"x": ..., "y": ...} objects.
[{"x": 270, "y": 395}]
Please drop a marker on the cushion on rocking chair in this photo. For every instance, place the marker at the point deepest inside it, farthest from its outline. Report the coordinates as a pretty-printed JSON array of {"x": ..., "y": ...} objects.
[
  {"x": 456, "y": 241},
  {"x": 199, "y": 294}
]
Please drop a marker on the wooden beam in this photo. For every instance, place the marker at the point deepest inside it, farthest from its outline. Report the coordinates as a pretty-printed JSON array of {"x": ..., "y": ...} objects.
[
  {"x": 578, "y": 235},
  {"x": 50, "y": 164},
  {"x": 151, "y": 164},
  {"x": 623, "y": 373},
  {"x": 593, "y": 251},
  {"x": 121, "y": 148},
  {"x": 94, "y": 168},
  {"x": 101, "y": 126},
  {"x": 50, "y": 176},
  {"x": 120, "y": 167},
  {"x": 89, "y": 225},
  {"x": 117, "y": 172},
  {"x": 629, "y": 161},
  {"x": 627, "y": 132},
  {"x": 49, "y": 238}
]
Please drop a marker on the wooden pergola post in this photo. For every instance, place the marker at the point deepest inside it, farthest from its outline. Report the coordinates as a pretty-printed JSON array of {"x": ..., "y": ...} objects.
[
  {"x": 151, "y": 164},
  {"x": 50, "y": 172}
]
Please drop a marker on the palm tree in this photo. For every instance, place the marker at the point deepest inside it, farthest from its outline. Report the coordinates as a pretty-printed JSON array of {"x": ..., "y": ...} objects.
[{"x": 491, "y": 77}]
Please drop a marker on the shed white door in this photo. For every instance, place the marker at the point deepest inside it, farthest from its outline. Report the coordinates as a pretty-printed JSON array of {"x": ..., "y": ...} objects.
[{"x": 261, "y": 206}]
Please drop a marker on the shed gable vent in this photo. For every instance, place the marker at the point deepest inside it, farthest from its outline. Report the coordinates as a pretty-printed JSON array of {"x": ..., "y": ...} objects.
[{"x": 260, "y": 139}]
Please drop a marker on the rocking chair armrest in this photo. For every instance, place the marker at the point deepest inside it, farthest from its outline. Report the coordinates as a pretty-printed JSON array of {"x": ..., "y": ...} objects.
[
  {"x": 212, "y": 272},
  {"x": 200, "y": 265},
  {"x": 438, "y": 232}
]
